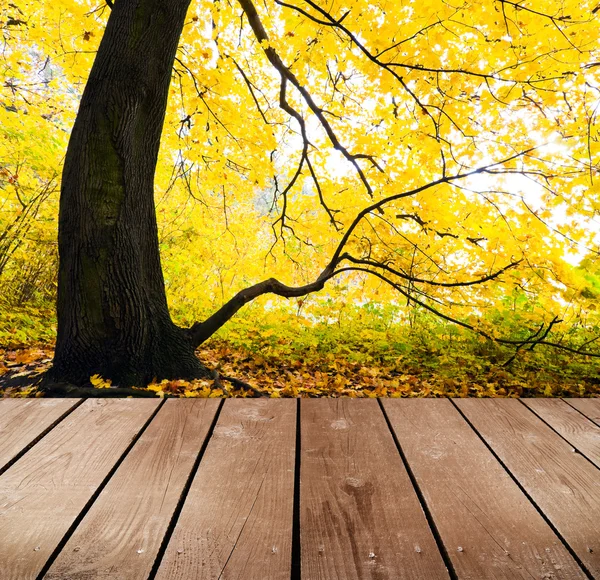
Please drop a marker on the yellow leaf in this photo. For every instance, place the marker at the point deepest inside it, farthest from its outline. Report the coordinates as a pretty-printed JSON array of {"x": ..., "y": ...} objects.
[{"x": 99, "y": 383}]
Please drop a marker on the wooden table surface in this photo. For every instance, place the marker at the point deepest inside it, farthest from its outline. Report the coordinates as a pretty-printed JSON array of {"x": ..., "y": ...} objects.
[{"x": 269, "y": 489}]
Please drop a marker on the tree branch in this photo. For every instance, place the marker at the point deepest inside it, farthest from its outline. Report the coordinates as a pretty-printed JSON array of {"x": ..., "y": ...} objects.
[
  {"x": 201, "y": 331},
  {"x": 415, "y": 280},
  {"x": 287, "y": 75}
]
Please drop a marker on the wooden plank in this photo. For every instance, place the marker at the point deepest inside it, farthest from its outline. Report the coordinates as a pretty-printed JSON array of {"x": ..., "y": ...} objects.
[
  {"x": 582, "y": 433},
  {"x": 22, "y": 421},
  {"x": 122, "y": 533},
  {"x": 237, "y": 518},
  {"x": 360, "y": 517},
  {"x": 563, "y": 484},
  {"x": 43, "y": 493},
  {"x": 589, "y": 407},
  {"x": 488, "y": 526}
]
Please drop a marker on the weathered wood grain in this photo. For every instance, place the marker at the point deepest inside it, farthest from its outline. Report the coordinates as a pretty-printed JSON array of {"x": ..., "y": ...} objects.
[
  {"x": 582, "y": 433},
  {"x": 360, "y": 517},
  {"x": 488, "y": 526},
  {"x": 43, "y": 493},
  {"x": 589, "y": 407},
  {"x": 120, "y": 536},
  {"x": 22, "y": 421},
  {"x": 563, "y": 484},
  {"x": 236, "y": 522}
]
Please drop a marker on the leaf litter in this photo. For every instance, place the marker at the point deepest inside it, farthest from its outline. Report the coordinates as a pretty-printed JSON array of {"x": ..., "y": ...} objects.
[{"x": 238, "y": 372}]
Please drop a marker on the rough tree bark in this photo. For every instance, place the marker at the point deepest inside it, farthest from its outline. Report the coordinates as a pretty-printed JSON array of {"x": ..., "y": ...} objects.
[{"x": 113, "y": 317}]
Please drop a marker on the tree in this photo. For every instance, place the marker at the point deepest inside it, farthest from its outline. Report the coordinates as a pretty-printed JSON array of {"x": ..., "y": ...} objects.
[
  {"x": 112, "y": 309},
  {"x": 370, "y": 114}
]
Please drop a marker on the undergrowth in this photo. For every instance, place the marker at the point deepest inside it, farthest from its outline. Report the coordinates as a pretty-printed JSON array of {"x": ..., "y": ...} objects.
[{"x": 364, "y": 353}]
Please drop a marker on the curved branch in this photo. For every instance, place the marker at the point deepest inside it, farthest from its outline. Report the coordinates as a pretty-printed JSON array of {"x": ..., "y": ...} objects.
[
  {"x": 444, "y": 179},
  {"x": 201, "y": 331},
  {"x": 531, "y": 341},
  {"x": 415, "y": 280}
]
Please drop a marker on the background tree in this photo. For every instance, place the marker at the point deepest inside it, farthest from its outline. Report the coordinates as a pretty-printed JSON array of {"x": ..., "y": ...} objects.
[{"x": 447, "y": 152}]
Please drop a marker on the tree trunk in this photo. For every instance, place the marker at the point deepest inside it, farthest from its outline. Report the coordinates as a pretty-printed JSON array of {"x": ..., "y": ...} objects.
[{"x": 113, "y": 317}]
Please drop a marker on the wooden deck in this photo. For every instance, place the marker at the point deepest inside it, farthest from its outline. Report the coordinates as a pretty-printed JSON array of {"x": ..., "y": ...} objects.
[{"x": 267, "y": 489}]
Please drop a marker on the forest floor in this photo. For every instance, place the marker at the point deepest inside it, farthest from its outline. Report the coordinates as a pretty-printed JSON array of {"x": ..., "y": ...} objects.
[{"x": 317, "y": 374}]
